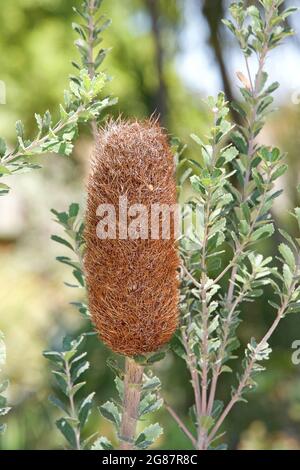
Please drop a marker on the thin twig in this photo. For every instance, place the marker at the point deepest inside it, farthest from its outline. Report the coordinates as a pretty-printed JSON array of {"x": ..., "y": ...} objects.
[
  {"x": 191, "y": 363},
  {"x": 236, "y": 396},
  {"x": 189, "y": 275},
  {"x": 11, "y": 157},
  {"x": 90, "y": 43},
  {"x": 180, "y": 424},
  {"x": 72, "y": 405}
]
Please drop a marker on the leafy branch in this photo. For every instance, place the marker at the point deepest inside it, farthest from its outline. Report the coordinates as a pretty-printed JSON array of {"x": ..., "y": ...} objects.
[
  {"x": 233, "y": 212},
  {"x": 82, "y": 103},
  {"x": 69, "y": 365},
  {"x": 289, "y": 293}
]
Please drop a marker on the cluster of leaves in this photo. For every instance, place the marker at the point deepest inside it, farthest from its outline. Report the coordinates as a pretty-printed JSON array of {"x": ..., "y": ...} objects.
[
  {"x": 150, "y": 401},
  {"x": 286, "y": 286},
  {"x": 71, "y": 363},
  {"x": 209, "y": 181},
  {"x": 234, "y": 190},
  {"x": 82, "y": 104},
  {"x": 73, "y": 226},
  {"x": 4, "y": 409},
  {"x": 91, "y": 27},
  {"x": 68, "y": 367}
]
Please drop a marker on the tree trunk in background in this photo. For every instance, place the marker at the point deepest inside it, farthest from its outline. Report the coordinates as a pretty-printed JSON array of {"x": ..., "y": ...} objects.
[{"x": 161, "y": 94}]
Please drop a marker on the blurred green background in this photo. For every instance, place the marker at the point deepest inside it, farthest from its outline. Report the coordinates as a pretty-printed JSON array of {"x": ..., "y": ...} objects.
[{"x": 167, "y": 55}]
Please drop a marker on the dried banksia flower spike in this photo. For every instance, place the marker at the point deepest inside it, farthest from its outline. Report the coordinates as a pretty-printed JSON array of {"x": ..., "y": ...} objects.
[{"x": 131, "y": 260}]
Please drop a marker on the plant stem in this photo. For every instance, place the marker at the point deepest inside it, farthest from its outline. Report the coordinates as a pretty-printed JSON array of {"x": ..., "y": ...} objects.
[
  {"x": 132, "y": 394},
  {"x": 221, "y": 353},
  {"x": 255, "y": 93},
  {"x": 205, "y": 314},
  {"x": 232, "y": 306},
  {"x": 90, "y": 43},
  {"x": 191, "y": 363},
  {"x": 11, "y": 157},
  {"x": 72, "y": 405},
  {"x": 236, "y": 396},
  {"x": 180, "y": 424}
]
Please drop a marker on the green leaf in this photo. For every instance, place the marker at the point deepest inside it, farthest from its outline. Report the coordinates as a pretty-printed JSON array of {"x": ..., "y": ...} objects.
[
  {"x": 79, "y": 276},
  {"x": 274, "y": 305},
  {"x": 61, "y": 380},
  {"x": 197, "y": 140},
  {"x": 62, "y": 241},
  {"x": 3, "y": 147},
  {"x": 240, "y": 142},
  {"x": 239, "y": 109},
  {"x": 77, "y": 387},
  {"x": 39, "y": 121},
  {"x": 152, "y": 383},
  {"x": 67, "y": 431},
  {"x": 58, "y": 403},
  {"x": 279, "y": 172},
  {"x": 148, "y": 436},
  {"x": 73, "y": 209},
  {"x": 120, "y": 387},
  {"x": 149, "y": 404},
  {"x": 287, "y": 237},
  {"x": 287, "y": 255},
  {"x": 20, "y": 129},
  {"x": 196, "y": 184},
  {"x": 230, "y": 154},
  {"x": 177, "y": 346},
  {"x": 156, "y": 357},
  {"x": 287, "y": 276},
  {"x": 206, "y": 422},
  {"x": 53, "y": 356},
  {"x": 272, "y": 87},
  {"x": 102, "y": 443},
  {"x": 80, "y": 369},
  {"x": 263, "y": 232},
  {"x": 85, "y": 409},
  {"x": 110, "y": 411}
]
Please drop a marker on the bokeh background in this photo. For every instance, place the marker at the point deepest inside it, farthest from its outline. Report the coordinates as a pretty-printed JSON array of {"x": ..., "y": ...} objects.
[{"x": 167, "y": 56}]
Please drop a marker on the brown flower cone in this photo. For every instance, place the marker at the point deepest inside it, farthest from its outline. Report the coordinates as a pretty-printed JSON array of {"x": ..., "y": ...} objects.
[{"x": 132, "y": 284}]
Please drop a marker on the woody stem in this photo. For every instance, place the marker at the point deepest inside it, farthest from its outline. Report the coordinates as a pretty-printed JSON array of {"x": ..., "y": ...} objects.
[{"x": 132, "y": 394}]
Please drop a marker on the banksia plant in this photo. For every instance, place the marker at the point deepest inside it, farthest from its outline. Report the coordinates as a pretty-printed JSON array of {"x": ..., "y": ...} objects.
[
  {"x": 131, "y": 268},
  {"x": 126, "y": 253}
]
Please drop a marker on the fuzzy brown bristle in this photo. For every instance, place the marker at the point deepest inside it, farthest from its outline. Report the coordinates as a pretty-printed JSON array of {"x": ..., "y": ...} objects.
[{"x": 132, "y": 284}]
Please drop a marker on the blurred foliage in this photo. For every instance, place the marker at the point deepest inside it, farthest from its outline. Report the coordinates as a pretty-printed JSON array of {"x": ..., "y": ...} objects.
[{"x": 36, "y": 50}]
